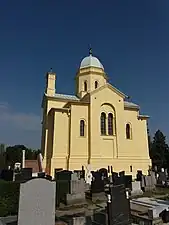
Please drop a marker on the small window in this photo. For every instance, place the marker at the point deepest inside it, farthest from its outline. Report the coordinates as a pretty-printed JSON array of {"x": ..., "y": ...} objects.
[
  {"x": 85, "y": 86},
  {"x": 110, "y": 124},
  {"x": 131, "y": 169},
  {"x": 96, "y": 84},
  {"x": 128, "y": 131},
  {"x": 82, "y": 128},
  {"x": 103, "y": 123}
]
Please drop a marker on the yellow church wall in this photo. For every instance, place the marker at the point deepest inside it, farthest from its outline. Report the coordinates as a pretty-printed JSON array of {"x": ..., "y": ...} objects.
[
  {"x": 55, "y": 104},
  {"x": 112, "y": 101},
  {"x": 137, "y": 146},
  {"x": 47, "y": 145},
  {"x": 116, "y": 150},
  {"x": 60, "y": 140},
  {"x": 79, "y": 145}
]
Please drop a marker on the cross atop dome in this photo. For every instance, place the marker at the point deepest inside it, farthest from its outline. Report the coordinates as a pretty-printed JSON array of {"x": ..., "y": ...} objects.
[
  {"x": 90, "y": 51},
  {"x": 91, "y": 61}
]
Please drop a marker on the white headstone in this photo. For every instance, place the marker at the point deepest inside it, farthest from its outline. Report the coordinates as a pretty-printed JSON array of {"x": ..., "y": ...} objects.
[
  {"x": 37, "y": 202},
  {"x": 136, "y": 188}
]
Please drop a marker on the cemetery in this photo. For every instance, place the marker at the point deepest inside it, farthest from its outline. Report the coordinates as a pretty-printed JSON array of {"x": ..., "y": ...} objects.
[{"x": 83, "y": 197}]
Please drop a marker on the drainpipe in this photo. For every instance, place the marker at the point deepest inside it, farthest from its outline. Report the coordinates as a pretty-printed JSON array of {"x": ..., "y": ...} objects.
[{"x": 69, "y": 138}]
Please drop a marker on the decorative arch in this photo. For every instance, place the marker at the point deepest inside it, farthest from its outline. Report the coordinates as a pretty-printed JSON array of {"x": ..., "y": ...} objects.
[
  {"x": 128, "y": 131},
  {"x": 103, "y": 123},
  {"x": 111, "y": 118},
  {"x": 96, "y": 84},
  {"x": 85, "y": 85}
]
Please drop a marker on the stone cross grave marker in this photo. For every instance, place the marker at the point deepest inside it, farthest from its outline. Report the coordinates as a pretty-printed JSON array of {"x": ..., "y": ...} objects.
[{"x": 37, "y": 202}]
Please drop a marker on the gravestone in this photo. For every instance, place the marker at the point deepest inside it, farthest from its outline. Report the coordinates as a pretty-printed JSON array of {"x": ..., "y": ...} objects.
[
  {"x": 115, "y": 177},
  {"x": 77, "y": 191},
  {"x": 97, "y": 187},
  {"x": 118, "y": 205},
  {"x": 81, "y": 173},
  {"x": 63, "y": 175},
  {"x": 162, "y": 179},
  {"x": 139, "y": 175},
  {"x": 166, "y": 173},
  {"x": 37, "y": 202},
  {"x": 122, "y": 173},
  {"x": 136, "y": 188},
  {"x": 104, "y": 172},
  {"x": 153, "y": 178},
  {"x": 7, "y": 175},
  {"x": 41, "y": 174},
  {"x": 149, "y": 185},
  {"x": 88, "y": 174}
]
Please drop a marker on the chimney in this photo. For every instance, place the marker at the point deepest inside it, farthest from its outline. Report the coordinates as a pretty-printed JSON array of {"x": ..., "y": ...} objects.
[{"x": 23, "y": 158}]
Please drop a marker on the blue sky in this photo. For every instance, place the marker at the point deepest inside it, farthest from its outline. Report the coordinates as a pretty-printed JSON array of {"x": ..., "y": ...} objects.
[{"x": 131, "y": 38}]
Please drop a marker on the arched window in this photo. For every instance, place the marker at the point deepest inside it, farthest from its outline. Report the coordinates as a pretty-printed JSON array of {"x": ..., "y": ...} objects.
[
  {"x": 103, "y": 123},
  {"x": 110, "y": 124},
  {"x": 128, "y": 131},
  {"x": 131, "y": 169},
  {"x": 85, "y": 86},
  {"x": 82, "y": 128},
  {"x": 96, "y": 84}
]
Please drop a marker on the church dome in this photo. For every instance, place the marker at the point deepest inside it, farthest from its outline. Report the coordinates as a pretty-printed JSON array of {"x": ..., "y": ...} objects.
[{"x": 91, "y": 61}]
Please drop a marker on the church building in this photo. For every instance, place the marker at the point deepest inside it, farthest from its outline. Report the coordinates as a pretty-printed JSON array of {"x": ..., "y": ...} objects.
[{"x": 97, "y": 126}]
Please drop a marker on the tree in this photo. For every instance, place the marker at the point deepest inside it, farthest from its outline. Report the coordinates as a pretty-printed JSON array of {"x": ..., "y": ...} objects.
[
  {"x": 159, "y": 150},
  {"x": 14, "y": 154}
]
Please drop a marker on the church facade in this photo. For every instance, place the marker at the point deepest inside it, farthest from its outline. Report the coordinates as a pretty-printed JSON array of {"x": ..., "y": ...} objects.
[{"x": 97, "y": 126}]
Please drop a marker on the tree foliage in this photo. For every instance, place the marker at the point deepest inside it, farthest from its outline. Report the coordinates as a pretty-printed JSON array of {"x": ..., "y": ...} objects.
[
  {"x": 14, "y": 154},
  {"x": 159, "y": 150}
]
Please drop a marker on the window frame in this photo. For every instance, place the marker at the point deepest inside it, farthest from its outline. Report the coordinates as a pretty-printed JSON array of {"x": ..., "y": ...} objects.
[
  {"x": 96, "y": 84},
  {"x": 103, "y": 126},
  {"x": 110, "y": 125},
  {"x": 82, "y": 128},
  {"x": 85, "y": 85},
  {"x": 128, "y": 131}
]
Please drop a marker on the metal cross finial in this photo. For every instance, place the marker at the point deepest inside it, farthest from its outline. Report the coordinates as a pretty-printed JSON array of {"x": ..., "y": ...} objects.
[
  {"x": 50, "y": 69},
  {"x": 90, "y": 51}
]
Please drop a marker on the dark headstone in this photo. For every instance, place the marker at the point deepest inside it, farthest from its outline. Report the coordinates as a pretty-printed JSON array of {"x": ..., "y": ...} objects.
[
  {"x": 104, "y": 172},
  {"x": 119, "y": 207},
  {"x": 58, "y": 169},
  {"x": 139, "y": 175},
  {"x": 111, "y": 169},
  {"x": 97, "y": 184},
  {"x": 128, "y": 181},
  {"x": 162, "y": 178},
  {"x": 63, "y": 175},
  {"x": 62, "y": 189},
  {"x": 48, "y": 177},
  {"x": 27, "y": 173},
  {"x": 41, "y": 174},
  {"x": 7, "y": 175},
  {"x": 114, "y": 177},
  {"x": 122, "y": 173}
]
